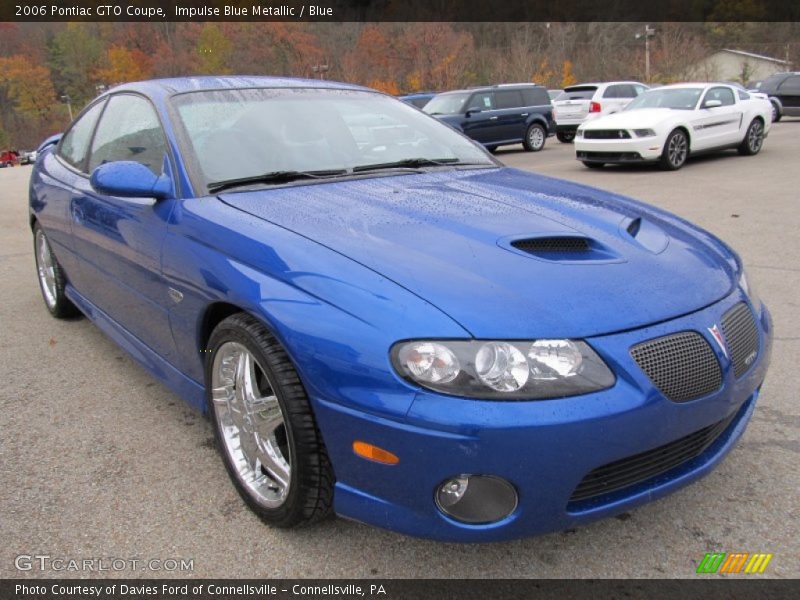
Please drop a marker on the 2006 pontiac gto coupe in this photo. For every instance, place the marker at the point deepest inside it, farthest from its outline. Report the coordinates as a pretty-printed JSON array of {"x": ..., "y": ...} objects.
[{"x": 383, "y": 321}]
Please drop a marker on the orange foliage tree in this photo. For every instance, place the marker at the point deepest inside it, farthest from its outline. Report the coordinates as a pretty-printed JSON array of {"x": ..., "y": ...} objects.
[{"x": 123, "y": 65}]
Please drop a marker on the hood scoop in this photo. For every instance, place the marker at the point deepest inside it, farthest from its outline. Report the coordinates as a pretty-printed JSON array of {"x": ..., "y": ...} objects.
[
  {"x": 551, "y": 245},
  {"x": 561, "y": 248}
]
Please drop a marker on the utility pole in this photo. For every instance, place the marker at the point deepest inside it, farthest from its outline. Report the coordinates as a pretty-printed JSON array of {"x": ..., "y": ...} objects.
[
  {"x": 68, "y": 100},
  {"x": 648, "y": 33}
]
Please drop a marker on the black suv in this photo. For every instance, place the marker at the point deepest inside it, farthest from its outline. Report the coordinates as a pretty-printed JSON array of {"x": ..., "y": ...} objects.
[
  {"x": 499, "y": 114},
  {"x": 783, "y": 90}
]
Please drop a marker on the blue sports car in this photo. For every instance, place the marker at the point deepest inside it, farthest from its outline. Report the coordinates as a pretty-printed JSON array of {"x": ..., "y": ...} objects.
[{"x": 383, "y": 321}]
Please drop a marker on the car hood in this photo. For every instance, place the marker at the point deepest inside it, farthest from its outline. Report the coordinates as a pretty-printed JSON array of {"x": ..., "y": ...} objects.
[
  {"x": 640, "y": 117},
  {"x": 447, "y": 237}
]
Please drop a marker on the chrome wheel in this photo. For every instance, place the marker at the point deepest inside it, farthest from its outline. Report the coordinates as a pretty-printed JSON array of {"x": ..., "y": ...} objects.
[
  {"x": 47, "y": 269},
  {"x": 755, "y": 137},
  {"x": 536, "y": 138},
  {"x": 251, "y": 424},
  {"x": 677, "y": 149}
]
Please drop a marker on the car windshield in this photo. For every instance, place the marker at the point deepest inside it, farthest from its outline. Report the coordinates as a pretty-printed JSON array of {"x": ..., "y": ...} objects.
[
  {"x": 447, "y": 104},
  {"x": 676, "y": 98},
  {"x": 305, "y": 132}
]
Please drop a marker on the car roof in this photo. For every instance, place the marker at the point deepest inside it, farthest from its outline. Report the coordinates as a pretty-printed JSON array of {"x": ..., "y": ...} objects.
[
  {"x": 700, "y": 84},
  {"x": 177, "y": 85},
  {"x": 499, "y": 86},
  {"x": 603, "y": 83}
]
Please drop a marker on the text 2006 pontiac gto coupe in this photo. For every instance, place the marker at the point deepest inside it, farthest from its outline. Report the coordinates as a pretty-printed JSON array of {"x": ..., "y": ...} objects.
[{"x": 383, "y": 321}]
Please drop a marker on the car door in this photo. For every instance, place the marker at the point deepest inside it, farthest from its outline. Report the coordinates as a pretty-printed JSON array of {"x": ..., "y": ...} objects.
[
  {"x": 480, "y": 119},
  {"x": 623, "y": 94},
  {"x": 789, "y": 94},
  {"x": 119, "y": 240},
  {"x": 54, "y": 184},
  {"x": 612, "y": 100},
  {"x": 511, "y": 115},
  {"x": 717, "y": 126}
]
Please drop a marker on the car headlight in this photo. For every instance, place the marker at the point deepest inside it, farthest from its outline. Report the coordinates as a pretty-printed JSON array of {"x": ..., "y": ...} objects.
[
  {"x": 643, "y": 132},
  {"x": 496, "y": 369},
  {"x": 578, "y": 133},
  {"x": 747, "y": 286}
]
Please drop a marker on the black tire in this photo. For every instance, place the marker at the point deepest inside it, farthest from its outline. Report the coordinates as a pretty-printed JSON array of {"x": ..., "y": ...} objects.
[
  {"x": 753, "y": 139},
  {"x": 593, "y": 165},
  {"x": 310, "y": 495},
  {"x": 776, "y": 113},
  {"x": 566, "y": 136},
  {"x": 676, "y": 151},
  {"x": 535, "y": 138},
  {"x": 52, "y": 279}
]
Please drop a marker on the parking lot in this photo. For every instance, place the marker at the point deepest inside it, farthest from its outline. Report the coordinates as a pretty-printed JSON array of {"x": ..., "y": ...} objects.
[{"x": 98, "y": 460}]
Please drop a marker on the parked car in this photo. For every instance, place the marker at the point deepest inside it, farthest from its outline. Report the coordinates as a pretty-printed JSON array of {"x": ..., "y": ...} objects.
[
  {"x": 8, "y": 158},
  {"x": 27, "y": 158},
  {"x": 554, "y": 94},
  {"x": 783, "y": 90},
  {"x": 419, "y": 99},
  {"x": 398, "y": 329},
  {"x": 587, "y": 101},
  {"x": 498, "y": 115},
  {"x": 668, "y": 124}
]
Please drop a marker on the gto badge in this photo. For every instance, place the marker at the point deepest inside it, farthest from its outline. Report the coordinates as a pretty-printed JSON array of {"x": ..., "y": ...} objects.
[{"x": 717, "y": 335}]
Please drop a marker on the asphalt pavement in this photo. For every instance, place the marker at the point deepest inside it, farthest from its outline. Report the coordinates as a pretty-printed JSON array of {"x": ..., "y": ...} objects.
[{"x": 99, "y": 460}]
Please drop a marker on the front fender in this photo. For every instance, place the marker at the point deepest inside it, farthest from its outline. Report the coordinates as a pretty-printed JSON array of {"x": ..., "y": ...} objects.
[{"x": 335, "y": 318}]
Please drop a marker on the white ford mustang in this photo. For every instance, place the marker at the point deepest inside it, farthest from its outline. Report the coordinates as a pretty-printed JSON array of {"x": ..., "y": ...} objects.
[{"x": 669, "y": 123}]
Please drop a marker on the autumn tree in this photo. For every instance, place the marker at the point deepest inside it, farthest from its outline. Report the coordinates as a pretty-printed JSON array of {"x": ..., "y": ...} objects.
[
  {"x": 28, "y": 86},
  {"x": 213, "y": 51},
  {"x": 75, "y": 52},
  {"x": 123, "y": 65}
]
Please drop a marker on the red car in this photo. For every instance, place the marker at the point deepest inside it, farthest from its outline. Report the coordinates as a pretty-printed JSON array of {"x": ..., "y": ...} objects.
[{"x": 9, "y": 158}]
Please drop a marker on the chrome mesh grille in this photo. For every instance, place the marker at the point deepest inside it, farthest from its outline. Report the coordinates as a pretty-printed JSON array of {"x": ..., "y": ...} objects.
[
  {"x": 681, "y": 365},
  {"x": 741, "y": 337}
]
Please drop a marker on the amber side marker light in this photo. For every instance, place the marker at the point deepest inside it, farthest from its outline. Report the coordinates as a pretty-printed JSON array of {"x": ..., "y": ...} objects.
[{"x": 370, "y": 452}]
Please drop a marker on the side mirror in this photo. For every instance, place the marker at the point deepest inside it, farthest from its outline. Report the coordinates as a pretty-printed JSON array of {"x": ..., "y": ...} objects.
[
  {"x": 129, "y": 179},
  {"x": 712, "y": 103},
  {"x": 471, "y": 111}
]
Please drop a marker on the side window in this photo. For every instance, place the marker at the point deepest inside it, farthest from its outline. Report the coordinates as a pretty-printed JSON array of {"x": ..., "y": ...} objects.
[
  {"x": 640, "y": 89},
  {"x": 612, "y": 91},
  {"x": 535, "y": 96},
  {"x": 626, "y": 91},
  {"x": 508, "y": 99},
  {"x": 481, "y": 101},
  {"x": 75, "y": 145},
  {"x": 791, "y": 85},
  {"x": 723, "y": 94},
  {"x": 129, "y": 130}
]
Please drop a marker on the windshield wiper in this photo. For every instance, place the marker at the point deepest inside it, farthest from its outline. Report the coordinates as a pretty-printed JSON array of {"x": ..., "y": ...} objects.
[
  {"x": 411, "y": 163},
  {"x": 274, "y": 177}
]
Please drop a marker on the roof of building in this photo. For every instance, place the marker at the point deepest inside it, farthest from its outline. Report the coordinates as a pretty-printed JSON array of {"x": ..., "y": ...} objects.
[{"x": 753, "y": 55}]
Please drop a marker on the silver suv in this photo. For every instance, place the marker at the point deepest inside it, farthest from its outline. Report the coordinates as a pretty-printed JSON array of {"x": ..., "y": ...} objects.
[{"x": 587, "y": 101}]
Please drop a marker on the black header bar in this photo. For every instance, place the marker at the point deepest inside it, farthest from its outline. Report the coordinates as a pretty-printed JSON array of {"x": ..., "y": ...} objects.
[{"x": 400, "y": 10}]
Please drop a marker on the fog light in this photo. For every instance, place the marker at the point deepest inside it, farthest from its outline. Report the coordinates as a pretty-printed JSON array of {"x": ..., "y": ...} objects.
[{"x": 476, "y": 499}]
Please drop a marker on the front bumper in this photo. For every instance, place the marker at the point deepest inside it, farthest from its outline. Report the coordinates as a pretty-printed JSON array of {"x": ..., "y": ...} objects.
[
  {"x": 619, "y": 151},
  {"x": 544, "y": 448}
]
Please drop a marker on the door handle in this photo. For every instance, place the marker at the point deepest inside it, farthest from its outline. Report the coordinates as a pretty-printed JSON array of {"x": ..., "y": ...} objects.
[
  {"x": 524, "y": 114},
  {"x": 493, "y": 118}
]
